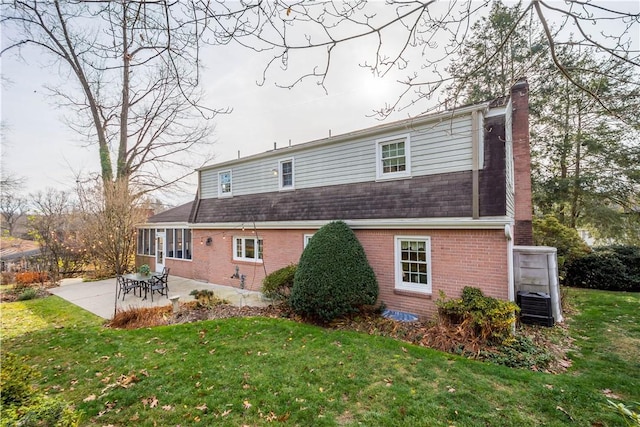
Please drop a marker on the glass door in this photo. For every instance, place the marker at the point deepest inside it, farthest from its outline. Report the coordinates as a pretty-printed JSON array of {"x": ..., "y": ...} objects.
[{"x": 160, "y": 248}]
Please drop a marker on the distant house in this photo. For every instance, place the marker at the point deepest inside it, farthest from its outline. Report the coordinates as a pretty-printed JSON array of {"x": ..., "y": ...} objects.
[
  {"x": 437, "y": 201},
  {"x": 17, "y": 254}
]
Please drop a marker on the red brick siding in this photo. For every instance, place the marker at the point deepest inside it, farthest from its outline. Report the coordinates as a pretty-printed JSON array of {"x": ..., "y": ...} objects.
[
  {"x": 459, "y": 258},
  {"x": 522, "y": 164}
]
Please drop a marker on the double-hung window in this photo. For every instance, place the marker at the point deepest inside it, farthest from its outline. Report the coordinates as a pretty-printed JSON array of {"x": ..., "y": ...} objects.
[
  {"x": 286, "y": 174},
  {"x": 247, "y": 249},
  {"x": 224, "y": 184},
  {"x": 413, "y": 263},
  {"x": 393, "y": 157}
]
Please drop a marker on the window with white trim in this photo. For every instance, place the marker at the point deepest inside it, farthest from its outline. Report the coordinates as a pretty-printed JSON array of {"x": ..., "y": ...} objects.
[
  {"x": 413, "y": 263},
  {"x": 307, "y": 237},
  {"x": 146, "y": 241},
  {"x": 178, "y": 241},
  {"x": 286, "y": 174},
  {"x": 247, "y": 249},
  {"x": 393, "y": 157},
  {"x": 224, "y": 184}
]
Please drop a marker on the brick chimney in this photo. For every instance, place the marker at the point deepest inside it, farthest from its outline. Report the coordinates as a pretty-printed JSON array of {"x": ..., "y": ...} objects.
[{"x": 523, "y": 234}]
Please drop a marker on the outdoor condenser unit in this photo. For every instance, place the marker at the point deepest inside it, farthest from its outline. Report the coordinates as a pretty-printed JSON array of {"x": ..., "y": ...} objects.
[{"x": 535, "y": 308}]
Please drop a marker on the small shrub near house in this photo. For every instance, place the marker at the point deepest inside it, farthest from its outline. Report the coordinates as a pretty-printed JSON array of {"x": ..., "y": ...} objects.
[
  {"x": 22, "y": 405},
  {"x": 333, "y": 277},
  {"x": 613, "y": 268},
  {"x": 278, "y": 284},
  {"x": 486, "y": 318}
]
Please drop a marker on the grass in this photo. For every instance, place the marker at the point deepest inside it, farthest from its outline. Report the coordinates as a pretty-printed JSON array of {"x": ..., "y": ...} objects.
[{"x": 255, "y": 371}]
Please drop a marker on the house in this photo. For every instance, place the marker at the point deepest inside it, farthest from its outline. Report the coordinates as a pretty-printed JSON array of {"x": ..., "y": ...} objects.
[{"x": 437, "y": 201}]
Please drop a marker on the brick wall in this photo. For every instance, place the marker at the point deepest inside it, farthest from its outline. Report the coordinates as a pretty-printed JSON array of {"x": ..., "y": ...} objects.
[
  {"x": 459, "y": 258},
  {"x": 522, "y": 164}
]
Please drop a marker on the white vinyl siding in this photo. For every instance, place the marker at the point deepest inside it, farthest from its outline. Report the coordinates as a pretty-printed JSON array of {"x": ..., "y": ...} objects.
[
  {"x": 413, "y": 263},
  {"x": 439, "y": 147}
]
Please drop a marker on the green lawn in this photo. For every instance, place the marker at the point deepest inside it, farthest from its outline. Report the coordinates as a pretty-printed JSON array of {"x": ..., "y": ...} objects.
[{"x": 257, "y": 371}]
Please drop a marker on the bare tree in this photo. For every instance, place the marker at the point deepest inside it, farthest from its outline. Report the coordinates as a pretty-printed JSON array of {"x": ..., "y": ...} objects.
[
  {"x": 135, "y": 63},
  {"x": 109, "y": 218},
  {"x": 54, "y": 224},
  {"x": 12, "y": 208},
  {"x": 419, "y": 38}
]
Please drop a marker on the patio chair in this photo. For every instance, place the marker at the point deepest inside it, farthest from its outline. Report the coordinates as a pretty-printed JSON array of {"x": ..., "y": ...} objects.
[
  {"x": 160, "y": 284},
  {"x": 127, "y": 285}
]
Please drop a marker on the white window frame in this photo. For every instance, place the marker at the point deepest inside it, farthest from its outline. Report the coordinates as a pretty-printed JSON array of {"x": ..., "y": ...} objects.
[
  {"x": 281, "y": 185},
  {"x": 305, "y": 240},
  {"x": 380, "y": 174},
  {"x": 243, "y": 257},
  {"x": 411, "y": 286},
  {"x": 222, "y": 193}
]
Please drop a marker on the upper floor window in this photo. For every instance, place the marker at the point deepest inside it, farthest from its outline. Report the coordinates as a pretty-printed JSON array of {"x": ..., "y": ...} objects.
[
  {"x": 247, "y": 249},
  {"x": 393, "y": 157},
  {"x": 286, "y": 174},
  {"x": 224, "y": 183}
]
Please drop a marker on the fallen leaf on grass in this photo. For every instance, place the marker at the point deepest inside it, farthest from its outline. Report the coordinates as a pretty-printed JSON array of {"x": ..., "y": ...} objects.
[
  {"x": 126, "y": 381},
  {"x": 610, "y": 394},
  {"x": 225, "y": 413},
  {"x": 167, "y": 408},
  {"x": 151, "y": 401},
  {"x": 202, "y": 407},
  {"x": 160, "y": 350},
  {"x": 89, "y": 398},
  {"x": 246, "y": 404}
]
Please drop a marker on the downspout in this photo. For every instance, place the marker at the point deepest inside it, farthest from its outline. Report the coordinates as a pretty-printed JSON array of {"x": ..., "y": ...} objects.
[{"x": 511, "y": 286}]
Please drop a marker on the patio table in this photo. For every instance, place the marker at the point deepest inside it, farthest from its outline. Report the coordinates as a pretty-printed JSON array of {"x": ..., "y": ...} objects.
[{"x": 143, "y": 279}]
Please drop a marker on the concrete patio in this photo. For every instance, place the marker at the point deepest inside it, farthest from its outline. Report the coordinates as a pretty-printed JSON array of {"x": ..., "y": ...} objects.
[{"x": 100, "y": 297}]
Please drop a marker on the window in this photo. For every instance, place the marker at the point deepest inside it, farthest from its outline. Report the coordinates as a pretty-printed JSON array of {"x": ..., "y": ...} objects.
[
  {"x": 393, "y": 157},
  {"x": 247, "y": 249},
  {"x": 178, "y": 241},
  {"x": 146, "y": 241},
  {"x": 224, "y": 184},
  {"x": 413, "y": 263},
  {"x": 286, "y": 174},
  {"x": 307, "y": 237}
]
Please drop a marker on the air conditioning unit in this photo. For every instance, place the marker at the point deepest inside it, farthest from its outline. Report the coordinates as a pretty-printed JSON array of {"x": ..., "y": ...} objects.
[{"x": 535, "y": 308}]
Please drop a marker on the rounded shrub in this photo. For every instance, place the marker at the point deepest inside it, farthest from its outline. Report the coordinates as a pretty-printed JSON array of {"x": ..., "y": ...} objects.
[
  {"x": 549, "y": 231},
  {"x": 333, "y": 277}
]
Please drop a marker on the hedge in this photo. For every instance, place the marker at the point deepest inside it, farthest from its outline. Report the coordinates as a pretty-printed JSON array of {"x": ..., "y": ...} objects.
[{"x": 614, "y": 268}]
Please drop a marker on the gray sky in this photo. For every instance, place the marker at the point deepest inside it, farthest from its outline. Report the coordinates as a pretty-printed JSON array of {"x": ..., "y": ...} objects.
[{"x": 38, "y": 145}]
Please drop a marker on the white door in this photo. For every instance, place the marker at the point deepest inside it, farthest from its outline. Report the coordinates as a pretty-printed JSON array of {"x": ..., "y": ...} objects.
[{"x": 160, "y": 249}]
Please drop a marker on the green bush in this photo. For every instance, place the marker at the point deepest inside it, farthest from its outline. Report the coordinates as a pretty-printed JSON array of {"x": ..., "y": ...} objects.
[
  {"x": 28, "y": 294},
  {"x": 614, "y": 268},
  {"x": 548, "y": 231},
  {"x": 520, "y": 352},
  {"x": 333, "y": 277},
  {"x": 22, "y": 405},
  {"x": 489, "y": 319},
  {"x": 278, "y": 284}
]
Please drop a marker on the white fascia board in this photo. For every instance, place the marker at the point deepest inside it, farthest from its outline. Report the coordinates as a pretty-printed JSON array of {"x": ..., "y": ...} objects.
[
  {"x": 165, "y": 225},
  {"x": 488, "y": 223},
  {"x": 400, "y": 125}
]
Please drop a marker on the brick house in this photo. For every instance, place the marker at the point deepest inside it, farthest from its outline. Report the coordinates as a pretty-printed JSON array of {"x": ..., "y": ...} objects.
[{"x": 437, "y": 201}]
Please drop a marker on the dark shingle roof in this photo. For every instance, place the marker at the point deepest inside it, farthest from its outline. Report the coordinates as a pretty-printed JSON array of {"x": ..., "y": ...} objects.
[{"x": 177, "y": 214}]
